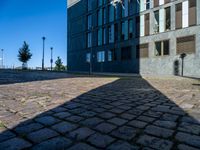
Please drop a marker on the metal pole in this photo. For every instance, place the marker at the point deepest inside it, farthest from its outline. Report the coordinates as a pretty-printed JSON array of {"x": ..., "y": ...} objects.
[
  {"x": 182, "y": 66},
  {"x": 51, "y": 58},
  {"x": 2, "y": 58},
  {"x": 43, "y": 38}
]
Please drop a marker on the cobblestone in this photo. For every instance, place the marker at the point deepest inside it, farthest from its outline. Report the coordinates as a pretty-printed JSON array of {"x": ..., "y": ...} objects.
[{"x": 87, "y": 113}]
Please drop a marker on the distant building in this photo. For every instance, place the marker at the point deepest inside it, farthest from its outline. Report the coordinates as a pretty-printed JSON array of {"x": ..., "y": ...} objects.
[{"x": 146, "y": 38}]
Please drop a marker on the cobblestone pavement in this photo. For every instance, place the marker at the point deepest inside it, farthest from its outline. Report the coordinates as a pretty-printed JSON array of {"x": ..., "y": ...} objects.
[{"x": 88, "y": 113}]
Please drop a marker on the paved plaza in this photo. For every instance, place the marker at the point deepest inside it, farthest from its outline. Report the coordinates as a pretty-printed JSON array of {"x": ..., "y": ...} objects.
[{"x": 59, "y": 111}]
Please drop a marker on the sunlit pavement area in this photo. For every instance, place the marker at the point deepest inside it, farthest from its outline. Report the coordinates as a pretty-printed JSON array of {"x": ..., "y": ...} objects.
[{"x": 57, "y": 111}]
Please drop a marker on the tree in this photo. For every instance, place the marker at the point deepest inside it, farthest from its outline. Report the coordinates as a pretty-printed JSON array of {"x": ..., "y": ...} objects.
[
  {"x": 59, "y": 65},
  {"x": 24, "y": 55}
]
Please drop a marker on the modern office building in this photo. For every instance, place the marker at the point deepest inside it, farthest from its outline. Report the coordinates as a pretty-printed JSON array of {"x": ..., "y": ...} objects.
[{"x": 146, "y": 37}]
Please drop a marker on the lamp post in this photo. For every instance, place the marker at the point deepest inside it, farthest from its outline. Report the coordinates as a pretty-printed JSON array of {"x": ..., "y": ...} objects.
[
  {"x": 182, "y": 56},
  {"x": 43, "y": 38},
  {"x": 2, "y": 57},
  {"x": 51, "y": 57}
]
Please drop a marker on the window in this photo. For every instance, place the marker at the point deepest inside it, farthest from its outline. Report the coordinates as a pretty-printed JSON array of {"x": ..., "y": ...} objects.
[
  {"x": 124, "y": 31},
  {"x": 156, "y": 17},
  {"x": 100, "y": 2},
  {"x": 131, "y": 7},
  {"x": 179, "y": 16},
  {"x": 111, "y": 33},
  {"x": 126, "y": 8},
  {"x": 156, "y": 3},
  {"x": 162, "y": 48},
  {"x": 147, "y": 4},
  {"x": 99, "y": 16},
  {"x": 146, "y": 28},
  {"x": 167, "y": 19},
  {"x": 88, "y": 57},
  {"x": 100, "y": 38},
  {"x": 111, "y": 13},
  {"x": 162, "y": 20},
  {"x": 137, "y": 26},
  {"x": 104, "y": 36},
  {"x": 116, "y": 32},
  {"x": 89, "y": 5},
  {"x": 161, "y": 2},
  {"x": 101, "y": 56},
  {"x": 186, "y": 45},
  {"x": 104, "y": 15},
  {"x": 130, "y": 29},
  {"x": 111, "y": 55},
  {"x": 142, "y": 25},
  {"x": 185, "y": 14},
  {"x": 142, "y": 51},
  {"x": 89, "y": 39},
  {"x": 192, "y": 12},
  {"x": 89, "y": 19},
  {"x": 126, "y": 53}
]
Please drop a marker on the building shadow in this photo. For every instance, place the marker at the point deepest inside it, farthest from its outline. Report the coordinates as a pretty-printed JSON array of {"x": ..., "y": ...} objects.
[{"x": 127, "y": 113}]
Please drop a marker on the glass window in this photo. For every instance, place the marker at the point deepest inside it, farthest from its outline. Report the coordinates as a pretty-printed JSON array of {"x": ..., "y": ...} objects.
[
  {"x": 156, "y": 17},
  {"x": 126, "y": 2},
  {"x": 130, "y": 29},
  {"x": 89, "y": 18},
  {"x": 89, "y": 5},
  {"x": 162, "y": 48},
  {"x": 88, "y": 57},
  {"x": 111, "y": 13},
  {"x": 100, "y": 2},
  {"x": 142, "y": 25},
  {"x": 124, "y": 35},
  {"x": 111, "y": 33},
  {"x": 131, "y": 7},
  {"x": 99, "y": 37},
  {"x": 89, "y": 39},
  {"x": 104, "y": 36},
  {"x": 162, "y": 20},
  {"x": 101, "y": 56},
  {"x": 111, "y": 55},
  {"x": 167, "y": 19},
  {"x": 104, "y": 15},
  {"x": 185, "y": 14},
  {"x": 99, "y": 17}
]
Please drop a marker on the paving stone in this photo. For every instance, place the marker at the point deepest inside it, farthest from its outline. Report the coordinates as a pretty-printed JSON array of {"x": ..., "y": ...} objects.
[
  {"x": 47, "y": 120},
  {"x": 92, "y": 122},
  {"x": 154, "y": 114},
  {"x": 81, "y": 133},
  {"x": 186, "y": 147},
  {"x": 99, "y": 110},
  {"x": 88, "y": 114},
  {"x": 64, "y": 127},
  {"x": 107, "y": 115},
  {"x": 122, "y": 145},
  {"x": 77, "y": 111},
  {"x": 62, "y": 115},
  {"x": 59, "y": 109},
  {"x": 14, "y": 144},
  {"x": 137, "y": 124},
  {"x": 74, "y": 118},
  {"x": 117, "y": 121},
  {"x": 158, "y": 131},
  {"x": 28, "y": 128},
  {"x": 189, "y": 120},
  {"x": 116, "y": 110},
  {"x": 72, "y": 105},
  {"x": 127, "y": 116},
  {"x": 100, "y": 140},
  {"x": 124, "y": 107},
  {"x": 125, "y": 133},
  {"x": 189, "y": 127},
  {"x": 57, "y": 143},
  {"x": 165, "y": 124},
  {"x": 135, "y": 111},
  {"x": 146, "y": 119},
  {"x": 5, "y": 135},
  {"x": 105, "y": 127},
  {"x": 82, "y": 146},
  {"x": 154, "y": 142},
  {"x": 169, "y": 117},
  {"x": 41, "y": 135},
  {"x": 189, "y": 139}
]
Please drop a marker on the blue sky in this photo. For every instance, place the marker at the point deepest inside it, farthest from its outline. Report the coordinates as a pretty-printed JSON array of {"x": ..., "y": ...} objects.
[{"x": 29, "y": 20}]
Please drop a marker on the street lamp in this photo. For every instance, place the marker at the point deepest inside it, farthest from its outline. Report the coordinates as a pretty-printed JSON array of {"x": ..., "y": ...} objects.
[
  {"x": 51, "y": 57},
  {"x": 2, "y": 57},
  {"x": 43, "y": 38}
]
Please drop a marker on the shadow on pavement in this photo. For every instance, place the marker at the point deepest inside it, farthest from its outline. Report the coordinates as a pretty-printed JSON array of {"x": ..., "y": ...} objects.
[{"x": 125, "y": 114}]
